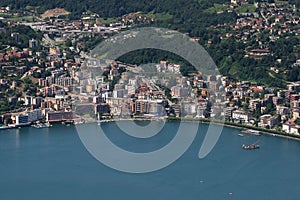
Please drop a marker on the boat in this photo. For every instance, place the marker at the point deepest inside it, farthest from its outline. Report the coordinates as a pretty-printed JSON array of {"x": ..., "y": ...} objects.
[
  {"x": 78, "y": 122},
  {"x": 42, "y": 125},
  {"x": 241, "y": 134},
  {"x": 4, "y": 127},
  {"x": 12, "y": 126},
  {"x": 252, "y": 132},
  {"x": 251, "y": 146}
]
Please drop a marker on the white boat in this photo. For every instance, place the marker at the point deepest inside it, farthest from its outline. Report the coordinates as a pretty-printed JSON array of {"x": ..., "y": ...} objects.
[
  {"x": 253, "y": 132},
  {"x": 78, "y": 122},
  {"x": 4, "y": 127},
  {"x": 42, "y": 125}
]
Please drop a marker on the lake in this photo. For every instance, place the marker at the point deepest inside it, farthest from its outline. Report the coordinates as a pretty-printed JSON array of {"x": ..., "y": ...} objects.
[{"x": 52, "y": 163}]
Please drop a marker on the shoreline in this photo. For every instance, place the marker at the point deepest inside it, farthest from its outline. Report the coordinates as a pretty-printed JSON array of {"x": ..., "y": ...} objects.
[{"x": 263, "y": 131}]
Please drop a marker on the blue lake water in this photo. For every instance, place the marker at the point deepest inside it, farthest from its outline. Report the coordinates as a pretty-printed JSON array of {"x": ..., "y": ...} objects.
[{"x": 52, "y": 163}]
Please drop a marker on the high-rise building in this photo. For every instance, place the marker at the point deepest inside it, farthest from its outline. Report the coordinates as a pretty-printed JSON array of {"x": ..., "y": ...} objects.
[{"x": 33, "y": 44}]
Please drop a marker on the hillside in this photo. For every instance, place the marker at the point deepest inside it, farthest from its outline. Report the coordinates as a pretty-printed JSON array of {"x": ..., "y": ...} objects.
[{"x": 216, "y": 24}]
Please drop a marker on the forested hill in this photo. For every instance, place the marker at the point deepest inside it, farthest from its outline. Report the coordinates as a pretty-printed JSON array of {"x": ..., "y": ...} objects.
[
  {"x": 218, "y": 26},
  {"x": 187, "y": 15},
  {"x": 114, "y": 8}
]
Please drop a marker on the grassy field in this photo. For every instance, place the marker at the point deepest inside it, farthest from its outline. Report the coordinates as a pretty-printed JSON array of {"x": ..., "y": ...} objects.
[
  {"x": 158, "y": 16},
  {"x": 21, "y": 19},
  {"x": 216, "y": 8},
  {"x": 281, "y": 2},
  {"x": 245, "y": 8},
  {"x": 107, "y": 20}
]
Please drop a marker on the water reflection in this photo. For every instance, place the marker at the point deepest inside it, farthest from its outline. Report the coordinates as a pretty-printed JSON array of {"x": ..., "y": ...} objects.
[{"x": 17, "y": 138}]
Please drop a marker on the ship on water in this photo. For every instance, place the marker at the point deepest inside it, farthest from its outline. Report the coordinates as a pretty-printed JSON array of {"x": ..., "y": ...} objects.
[
  {"x": 41, "y": 125},
  {"x": 251, "y": 146},
  {"x": 252, "y": 132}
]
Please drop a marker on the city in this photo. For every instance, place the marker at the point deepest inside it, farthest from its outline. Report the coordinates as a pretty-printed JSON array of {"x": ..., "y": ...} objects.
[
  {"x": 42, "y": 81},
  {"x": 156, "y": 99}
]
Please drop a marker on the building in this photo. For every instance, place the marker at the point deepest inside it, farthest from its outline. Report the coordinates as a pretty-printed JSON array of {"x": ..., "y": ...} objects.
[
  {"x": 37, "y": 101},
  {"x": 179, "y": 91},
  {"x": 295, "y": 104},
  {"x": 258, "y": 53},
  {"x": 254, "y": 104},
  {"x": 49, "y": 91},
  {"x": 281, "y": 110},
  {"x": 64, "y": 81},
  {"x": 177, "y": 110},
  {"x": 291, "y": 128},
  {"x": 59, "y": 116},
  {"x": 296, "y": 113},
  {"x": 295, "y": 97},
  {"x": 35, "y": 115},
  {"x": 130, "y": 89},
  {"x": 286, "y": 127},
  {"x": 241, "y": 116},
  {"x": 33, "y": 44},
  {"x": 119, "y": 93},
  {"x": 277, "y": 100},
  {"x": 269, "y": 97},
  {"x": 16, "y": 36},
  {"x": 287, "y": 93},
  {"x": 293, "y": 87},
  {"x": 97, "y": 100},
  {"x": 28, "y": 100},
  {"x": 228, "y": 112},
  {"x": 189, "y": 108},
  {"x": 268, "y": 121},
  {"x": 22, "y": 120},
  {"x": 165, "y": 66},
  {"x": 156, "y": 108},
  {"x": 141, "y": 107},
  {"x": 103, "y": 109},
  {"x": 295, "y": 130}
]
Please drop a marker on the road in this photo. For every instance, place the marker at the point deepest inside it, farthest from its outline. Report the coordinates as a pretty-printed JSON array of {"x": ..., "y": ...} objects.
[{"x": 48, "y": 40}]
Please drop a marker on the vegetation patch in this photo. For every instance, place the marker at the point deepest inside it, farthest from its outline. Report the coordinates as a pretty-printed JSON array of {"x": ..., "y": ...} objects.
[
  {"x": 246, "y": 8},
  {"x": 107, "y": 20},
  {"x": 216, "y": 8}
]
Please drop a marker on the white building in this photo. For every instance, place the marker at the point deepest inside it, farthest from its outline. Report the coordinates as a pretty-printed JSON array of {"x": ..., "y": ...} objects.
[
  {"x": 291, "y": 128},
  {"x": 295, "y": 130},
  {"x": 241, "y": 116}
]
